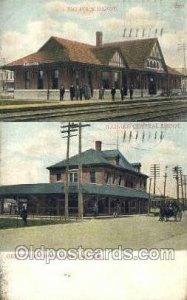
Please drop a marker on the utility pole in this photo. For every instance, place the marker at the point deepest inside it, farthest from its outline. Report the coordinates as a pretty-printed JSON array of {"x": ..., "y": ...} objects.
[
  {"x": 74, "y": 127},
  {"x": 149, "y": 203},
  {"x": 80, "y": 194},
  {"x": 183, "y": 47},
  {"x": 176, "y": 174},
  {"x": 67, "y": 129},
  {"x": 181, "y": 184},
  {"x": 155, "y": 173},
  {"x": 185, "y": 183},
  {"x": 165, "y": 180}
]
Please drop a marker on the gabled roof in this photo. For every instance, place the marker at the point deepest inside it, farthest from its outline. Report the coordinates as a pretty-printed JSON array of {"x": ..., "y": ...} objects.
[
  {"x": 134, "y": 53},
  {"x": 93, "y": 157},
  {"x": 58, "y": 188},
  {"x": 60, "y": 50},
  {"x": 105, "y": 54}
]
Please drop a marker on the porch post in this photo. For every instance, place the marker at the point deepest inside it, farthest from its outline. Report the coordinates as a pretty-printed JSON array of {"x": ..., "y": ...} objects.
[
  {"x": 1, "y": 206},
  {"x": 58, "y": 207},
  {"x": 109, "y": 206}
]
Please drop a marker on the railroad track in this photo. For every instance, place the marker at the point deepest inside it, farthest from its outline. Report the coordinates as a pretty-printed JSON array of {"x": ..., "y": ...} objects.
[{"x": 147, "y": 110}]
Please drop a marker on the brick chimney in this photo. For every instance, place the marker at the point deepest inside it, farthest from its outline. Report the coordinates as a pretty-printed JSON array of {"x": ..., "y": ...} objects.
[
  {"x": 98, "y": 145},
  {"x": 99, "y": 39}
]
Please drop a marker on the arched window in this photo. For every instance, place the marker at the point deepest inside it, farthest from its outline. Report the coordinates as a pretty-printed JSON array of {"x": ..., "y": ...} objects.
[{"x": 148, "y": 64}]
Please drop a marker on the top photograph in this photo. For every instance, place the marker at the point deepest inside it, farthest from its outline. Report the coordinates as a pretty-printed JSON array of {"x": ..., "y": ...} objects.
[{"x": 93, "y": 60}]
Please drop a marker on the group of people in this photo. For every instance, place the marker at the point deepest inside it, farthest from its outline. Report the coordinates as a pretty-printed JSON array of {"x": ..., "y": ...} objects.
[
  {"x": 123, "y": 92},
  {"x": 85, "y": 92},
  {"x": 77, "y": 92},
  {"x": 116, "y": 209}
]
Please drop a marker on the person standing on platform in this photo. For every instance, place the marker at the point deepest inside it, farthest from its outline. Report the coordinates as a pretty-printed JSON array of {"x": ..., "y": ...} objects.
[
  {"x": 113, "y": 92},
  {"x": 131, "y": 90},
  {"x": 81, "y": 92},
  {"x": 122, "y": 92},
  {"x": 62, "y": 92},
  {"x": 72, "y": 92}
]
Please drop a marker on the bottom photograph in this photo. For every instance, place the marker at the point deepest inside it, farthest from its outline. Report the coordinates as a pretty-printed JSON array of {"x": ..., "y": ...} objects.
[
  {"x": 85, "y": 204},
  {"x": 56, "y": 173}
]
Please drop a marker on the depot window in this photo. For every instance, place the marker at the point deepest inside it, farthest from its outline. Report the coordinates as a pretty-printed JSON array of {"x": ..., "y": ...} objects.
[
  {"x": 92, "y": 177},
  {"x": 55, "y": 79},
  {"x": 27, "y": 79},
  {"x": 73, "y": 177},
  {"x": 106, "y": 80},
  {"x": 41, "y": 80}
]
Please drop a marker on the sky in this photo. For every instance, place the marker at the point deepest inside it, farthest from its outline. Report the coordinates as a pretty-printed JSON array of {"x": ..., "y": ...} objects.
[
  {"x": 27, "y": 24},
  {"x": 27, "y": 150}
]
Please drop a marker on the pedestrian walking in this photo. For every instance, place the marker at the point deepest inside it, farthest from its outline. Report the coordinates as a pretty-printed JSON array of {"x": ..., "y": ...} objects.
[
  {"x": 23, "y": 215},
  {"x": 95, "y": 209},
  {"x": 113, "y": 92},
  {"x": 62, "y": 92}
]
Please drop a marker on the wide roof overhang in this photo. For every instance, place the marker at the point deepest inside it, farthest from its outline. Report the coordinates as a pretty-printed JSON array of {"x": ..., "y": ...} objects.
[{"x": 27, "y": 190}]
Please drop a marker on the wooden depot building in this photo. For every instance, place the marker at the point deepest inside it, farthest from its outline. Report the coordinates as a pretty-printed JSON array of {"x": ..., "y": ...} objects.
[
  {"x": 107, "y": 178},
  {"x": 138, "y": 63}
]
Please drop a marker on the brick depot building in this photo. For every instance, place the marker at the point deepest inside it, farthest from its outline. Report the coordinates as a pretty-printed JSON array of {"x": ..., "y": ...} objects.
[
  {"x": 107, "y": 177},
  {"x": 59, "y": 61}
]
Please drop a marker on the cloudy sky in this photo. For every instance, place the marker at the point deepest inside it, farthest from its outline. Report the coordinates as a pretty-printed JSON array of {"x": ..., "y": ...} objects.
[
  {"x": 27, "y": 24},
  {"x": 27, "y": 149}
]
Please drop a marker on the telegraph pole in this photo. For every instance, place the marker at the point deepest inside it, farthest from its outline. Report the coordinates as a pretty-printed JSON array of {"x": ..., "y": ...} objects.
[
  {"x": 80, "y": 194},
  {"x": 149, "y": 203},
  {"x": 67, "y": 129},
  {"x": 176, "y": 174},
  {"x": 75, "y": 127},
  {"x": 181, "y": 183},
  {"x": 183, "y": 47},
  {"x": 185, "y": 183},
  {"x": 165, "y": 180},
  {"x": 155, "y": 173}
]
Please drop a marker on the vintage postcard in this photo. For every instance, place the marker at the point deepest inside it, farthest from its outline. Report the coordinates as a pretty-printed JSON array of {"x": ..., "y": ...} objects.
[
  {"x": 93, "y": 143},
  {"x": 100, "y": 204},
  {"x": 120, "y": 60}
]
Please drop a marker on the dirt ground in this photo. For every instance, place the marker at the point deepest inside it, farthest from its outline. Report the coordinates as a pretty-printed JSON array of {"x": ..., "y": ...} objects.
[{"x": 130, "y": 232}]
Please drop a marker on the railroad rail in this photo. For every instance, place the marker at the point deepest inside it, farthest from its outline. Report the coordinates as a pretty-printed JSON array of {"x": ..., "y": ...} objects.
[{"x": 134, "y": 110}]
